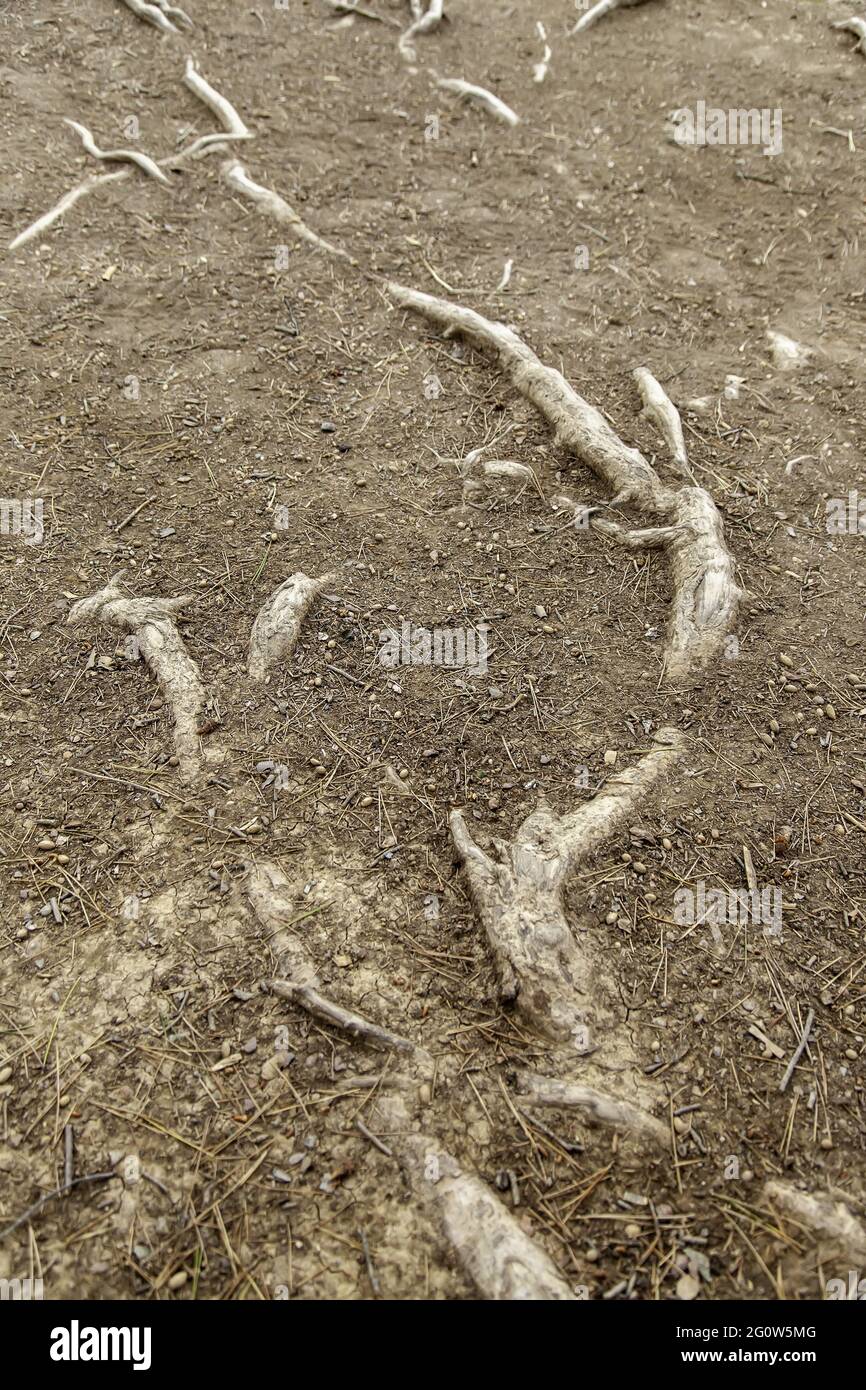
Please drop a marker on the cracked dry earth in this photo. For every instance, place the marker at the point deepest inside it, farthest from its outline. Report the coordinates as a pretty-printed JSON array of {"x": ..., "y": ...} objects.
[{"x": 209, "y": 411}]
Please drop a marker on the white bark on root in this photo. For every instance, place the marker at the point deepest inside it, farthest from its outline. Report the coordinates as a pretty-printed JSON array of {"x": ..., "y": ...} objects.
[
  {"x": 160, "y": 14},
  {"x": 278, "y": 623},
  {"x": 706, "y": 595},
  {"x": 540, "y": 968},
  {"x": 500, "y": 1259},
  {"x": 143, "y": 161},
  {"x": 597, "y": 1107},
  {"x": 492, "y": 103},
  {"x": 81, "y": 190},
  {"x": 492, "y": 1248},
  {"x": 828, "y": 1219},
  {"x": 215, "y": 101},
  {"x": 661, "y": 411},
  {"x": 600, "y": 10},
  {"x": 276, "y": 206},
  {"x": 152, "y": 621},
  {"x": 854, "y": 26},
  {"x": 424, "y": 24},
  {"x": 539, "y": 71}
]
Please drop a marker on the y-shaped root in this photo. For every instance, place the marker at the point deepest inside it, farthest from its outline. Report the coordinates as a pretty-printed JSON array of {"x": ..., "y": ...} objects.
[
  {"x": 277, "y": 627},
  {"x": 502, "y": 1261},
  {"x": 422, "y": 24},
  {"x": 152, "y": 622},
  {"x": 706, "y": 596},
  {"x": 518, "y": 896}
]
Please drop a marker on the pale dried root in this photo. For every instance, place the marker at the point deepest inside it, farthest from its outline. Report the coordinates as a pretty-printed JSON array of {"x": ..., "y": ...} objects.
[
  {"x": 706, "y": 597},
  {"x": 540, "y": 967},
  {"x": 422, "y": 24},
  {"x": 492, "y": 1248},
  {"x": 152, "y": 621},
  {"x": 160, "y": 14},
  {"x": 539, "y": 71},
  {"x": 828, "y": 1219},
  {"x": 215, "y": 101},
  {"x": 661, "y": 411},
  {"x": 276, "y": 206},
  {"x": 492, "y": 103},
  {"x": 597, "y": 1107},
  {"x": 63, "y": 205},
  {"x": 854, "y": 26},
  {"x": 278, "y": 624},
  {"x": 143, "y": 161},
  {"x": 600, "y": 10}
]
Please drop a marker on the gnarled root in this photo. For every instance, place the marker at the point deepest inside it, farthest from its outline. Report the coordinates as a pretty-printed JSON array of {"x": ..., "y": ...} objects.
[
  {"x": 540, "y": 968},
  {"x": 597, "y": 1107},
  {"x": 152, "y": 622},
  {"x": 706, "y": 596},
  {"x": 494, "y": 1251},
  {"x": 278, "y": 624}
]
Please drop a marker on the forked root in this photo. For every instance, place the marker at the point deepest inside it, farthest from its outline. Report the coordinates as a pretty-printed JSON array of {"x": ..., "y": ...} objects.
[
  {"x": 152, "y": 622},
  {"x": 541, "y": 969},
  {"x": 827, "y": 1218},
  {"x": 706, "y": 596},
  {"x": 502, "y": 1261},
  {"x": 278, "y": 624},
  {"x": 597, "y": 1107},
  {"x": 422, "y": 24}
]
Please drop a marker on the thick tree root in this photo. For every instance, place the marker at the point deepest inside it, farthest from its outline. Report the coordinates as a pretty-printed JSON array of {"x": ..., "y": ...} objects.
[
  {"x": 494, "y": 104},
  {"x": 152, "y": 622},
  {"x": 277, "y": 627},
  {"x": 706, "y": 596},
  {"x": 540, "y": 968},
  {"x": 598, "y": 1108},
  {"x": 491, "y": 1247},
  {"x": 828, "y": 1219},
  {"x": 598, "y": 11}
]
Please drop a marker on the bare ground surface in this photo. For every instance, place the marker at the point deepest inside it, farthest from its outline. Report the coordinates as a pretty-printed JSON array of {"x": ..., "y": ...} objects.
[{"x": 152, "y": 353}]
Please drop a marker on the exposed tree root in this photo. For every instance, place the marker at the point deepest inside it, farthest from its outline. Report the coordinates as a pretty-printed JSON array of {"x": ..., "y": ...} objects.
[
  {"x": 215, "y": 101},
  {"x": 277, "y": 207},
  {"x": 539, "y": 71},
  {"x": 498, "y": 1256},
  {"x": 421, "y": 24},
  {"x": 278, "y": 624},
  {"x": 597, "y": 1107},
  {"x": 854, "y": 26},
  {"x": 827, "y": 1218},
  {"x": 541, "y": 969},
  {"x": 488, "y": 100},
  {"x": 706, "y": 596},
  {"x": 147, "y": 165},
  {"x": 661, "y": 411},
  {"x": 160, "y": 14},
  {"x": 152, "y": 621},
  {"x": 63, "y": 205},
  {"x": 598, "y": 11}
]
